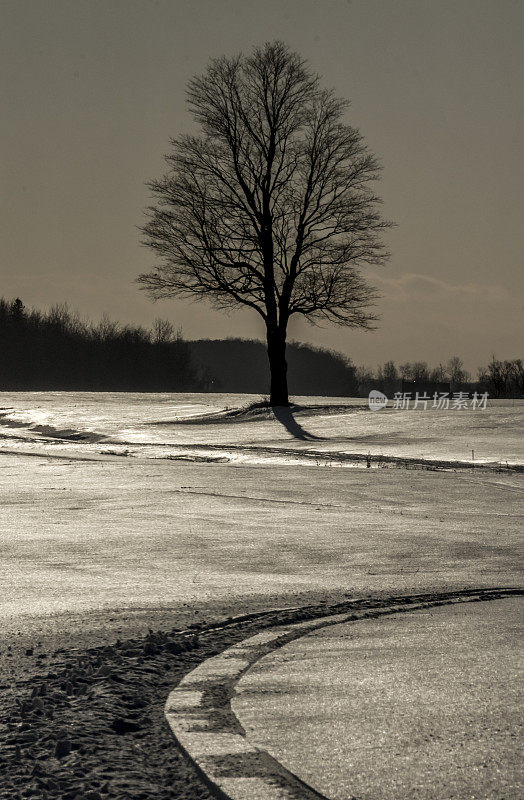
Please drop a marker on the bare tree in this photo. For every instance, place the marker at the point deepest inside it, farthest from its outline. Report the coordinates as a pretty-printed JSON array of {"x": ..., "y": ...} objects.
[
  {"x": 438, "y": 374},
  {"x": 415, "y": 371},
  {"x": 503, "y": 378},
  {"x": 388, "y": 373},
  {"x": 162, "y": 331},
  {"x": 456, "y": 372},
  {"x": 271, "y": 207}
]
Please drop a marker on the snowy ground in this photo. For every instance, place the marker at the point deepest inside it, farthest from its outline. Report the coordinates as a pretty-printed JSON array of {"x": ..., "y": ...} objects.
[
  {"x": 108, "y": 502},
  {"x": 425, "y": 705},
  {"x": 148, "y": 425}
]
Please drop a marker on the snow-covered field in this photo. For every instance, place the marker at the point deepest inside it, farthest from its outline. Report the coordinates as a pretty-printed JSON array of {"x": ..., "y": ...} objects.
[
  {"x": 146, "y": 425},
  {"x": 221, "y": 508}
]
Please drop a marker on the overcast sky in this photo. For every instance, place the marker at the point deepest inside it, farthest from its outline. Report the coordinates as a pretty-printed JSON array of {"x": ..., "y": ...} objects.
[{"x": 93, "y": 89}]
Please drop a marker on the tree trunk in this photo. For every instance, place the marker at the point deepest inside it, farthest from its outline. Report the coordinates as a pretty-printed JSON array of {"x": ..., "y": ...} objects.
[{"x": 276, "y": 351}]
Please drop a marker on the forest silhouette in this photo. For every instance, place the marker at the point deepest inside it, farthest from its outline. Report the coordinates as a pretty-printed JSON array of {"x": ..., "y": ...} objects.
[{"x": 57, "y": 351}]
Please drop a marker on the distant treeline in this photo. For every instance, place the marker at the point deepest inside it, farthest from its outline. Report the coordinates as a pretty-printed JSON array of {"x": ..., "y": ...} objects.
[
  {"x": 499, "y": 378},
  {"x": 57, "y": 351}
]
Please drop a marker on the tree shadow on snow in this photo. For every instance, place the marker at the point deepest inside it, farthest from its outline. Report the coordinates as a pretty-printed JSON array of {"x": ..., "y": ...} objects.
[{"x": 284, "y": 415}]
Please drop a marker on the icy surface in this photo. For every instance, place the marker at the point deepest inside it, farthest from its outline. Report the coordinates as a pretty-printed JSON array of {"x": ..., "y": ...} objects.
[
  {"x": 104, "y": 508},
  {"x": 148, "y": 425},
  {"x": 425, "y": 705}
]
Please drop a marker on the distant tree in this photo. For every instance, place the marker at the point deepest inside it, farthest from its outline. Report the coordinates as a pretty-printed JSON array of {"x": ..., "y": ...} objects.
[
  {"x": 455, "y": 372},
  {"x": 415, "y": 371},
  {"x": 438, "y": 374},
  {"x": 271, "y": 206},
  {"x": 17, "y": 308},
  {"x": 106, "y": 330},
  {"x": 517, "y": 371},
  {"x": 388, "y": 373},
  {"x": 162, "y": 331},
  {"x": 503, "y": 378},
  {"x": 493, "y": 377},
  {"x": 405, "y": 370},
  {"x": 365, "y": 380}
]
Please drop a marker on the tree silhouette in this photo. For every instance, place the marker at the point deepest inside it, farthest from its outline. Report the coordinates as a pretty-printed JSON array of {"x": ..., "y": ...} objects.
[{"x": 270, "y": 207}]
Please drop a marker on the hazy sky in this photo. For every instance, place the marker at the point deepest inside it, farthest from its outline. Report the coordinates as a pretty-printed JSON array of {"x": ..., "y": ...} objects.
[{"x": 93, "y": 89}]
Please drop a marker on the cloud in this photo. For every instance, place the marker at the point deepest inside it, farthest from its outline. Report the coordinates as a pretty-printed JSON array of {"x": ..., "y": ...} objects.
[{"x": 411, "y": 286}]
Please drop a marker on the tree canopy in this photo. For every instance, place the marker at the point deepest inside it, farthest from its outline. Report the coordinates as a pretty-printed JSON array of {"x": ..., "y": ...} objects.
[{"x": 271, "y": 206}]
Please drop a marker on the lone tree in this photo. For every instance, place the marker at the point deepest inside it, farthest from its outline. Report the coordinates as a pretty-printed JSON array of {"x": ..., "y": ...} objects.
[{"x": 270, "y": 207}]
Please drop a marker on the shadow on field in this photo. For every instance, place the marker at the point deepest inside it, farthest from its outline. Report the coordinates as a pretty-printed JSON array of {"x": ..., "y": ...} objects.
[{"x": 284, "y": 415}]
